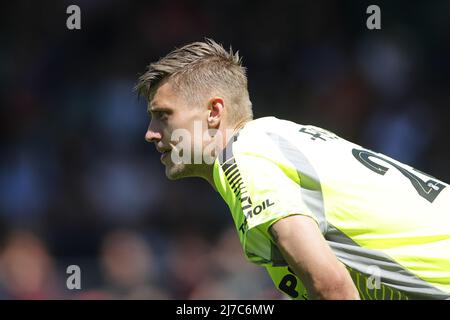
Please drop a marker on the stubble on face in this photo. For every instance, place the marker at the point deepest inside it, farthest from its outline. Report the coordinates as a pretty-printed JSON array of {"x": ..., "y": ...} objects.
[{"x": 184, "y": 117}]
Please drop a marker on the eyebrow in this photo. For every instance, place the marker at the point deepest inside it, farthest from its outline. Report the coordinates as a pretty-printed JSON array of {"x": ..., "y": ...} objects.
[{"x": 156, "y": 108}]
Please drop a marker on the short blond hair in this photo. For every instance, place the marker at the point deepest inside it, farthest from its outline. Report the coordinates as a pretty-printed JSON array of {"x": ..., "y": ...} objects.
[{"x": 199, "y": 70}]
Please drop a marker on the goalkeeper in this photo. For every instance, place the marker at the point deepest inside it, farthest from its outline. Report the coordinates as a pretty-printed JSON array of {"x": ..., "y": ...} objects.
[{"x": 327, "y": 218}]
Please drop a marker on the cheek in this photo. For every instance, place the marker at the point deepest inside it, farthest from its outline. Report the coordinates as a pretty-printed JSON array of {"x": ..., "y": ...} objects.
[
  {"x": 191, "y": 124},
  {"x": 168, "y": 130}
]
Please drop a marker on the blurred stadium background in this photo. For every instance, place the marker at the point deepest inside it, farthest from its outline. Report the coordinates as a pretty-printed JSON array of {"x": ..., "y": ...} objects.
[{"x": 79, "y": 185}]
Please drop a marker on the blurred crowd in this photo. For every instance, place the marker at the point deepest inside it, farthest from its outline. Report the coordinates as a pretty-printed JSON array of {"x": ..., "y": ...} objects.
[
  {"x": 130, "y": 265},
  {"x": 79, "y": 185}
]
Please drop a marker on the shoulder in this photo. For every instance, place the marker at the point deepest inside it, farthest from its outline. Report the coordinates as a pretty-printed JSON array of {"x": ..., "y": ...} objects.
[{"x": 261, "y": 137}]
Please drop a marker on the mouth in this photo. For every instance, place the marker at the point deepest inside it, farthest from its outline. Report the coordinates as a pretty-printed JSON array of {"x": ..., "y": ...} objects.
[{"x": 165, "y": 154}]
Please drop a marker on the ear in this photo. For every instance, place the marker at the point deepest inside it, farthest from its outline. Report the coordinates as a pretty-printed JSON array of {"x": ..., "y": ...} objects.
[{"x": 215, "y": 112}]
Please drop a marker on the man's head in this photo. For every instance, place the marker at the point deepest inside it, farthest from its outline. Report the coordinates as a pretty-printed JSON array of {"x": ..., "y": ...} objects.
[{"x": 194, "y": 90}]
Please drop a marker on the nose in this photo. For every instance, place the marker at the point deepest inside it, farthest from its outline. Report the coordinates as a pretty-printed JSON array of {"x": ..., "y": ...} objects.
[{"x": 152, "y": 135}]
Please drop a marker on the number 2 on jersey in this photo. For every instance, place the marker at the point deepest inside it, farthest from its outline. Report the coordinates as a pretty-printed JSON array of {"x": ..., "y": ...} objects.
[{"x": 428, "y": 190}]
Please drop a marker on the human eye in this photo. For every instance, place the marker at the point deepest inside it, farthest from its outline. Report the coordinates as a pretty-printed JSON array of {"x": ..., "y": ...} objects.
[
  {"x": 161, "y": 115},
  {"x": 156, "y": 114}
]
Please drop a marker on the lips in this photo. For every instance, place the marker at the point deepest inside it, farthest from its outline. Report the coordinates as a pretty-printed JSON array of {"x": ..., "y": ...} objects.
[
  {"x": 165, "y": 154},
  {"x": 165, "y": 151}
]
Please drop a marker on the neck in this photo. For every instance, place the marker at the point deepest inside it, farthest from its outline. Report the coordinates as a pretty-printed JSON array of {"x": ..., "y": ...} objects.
[
  {"x": 220, "y": 141},
  {"x": 208, "y": 174}
]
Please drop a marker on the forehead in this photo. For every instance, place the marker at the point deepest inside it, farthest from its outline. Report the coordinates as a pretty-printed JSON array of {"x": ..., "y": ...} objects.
[{"x": 164, "y": 94}]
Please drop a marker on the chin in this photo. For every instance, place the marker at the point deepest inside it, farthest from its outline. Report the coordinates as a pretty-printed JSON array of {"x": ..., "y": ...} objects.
[
  {"x": 172, "y": 177},
  {"x": 180, "y": 171},
  {"x": 175, "y": 172}
]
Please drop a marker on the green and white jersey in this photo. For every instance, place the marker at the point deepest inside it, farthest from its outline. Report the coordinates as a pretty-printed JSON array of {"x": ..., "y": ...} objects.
[{"x": 387, "y": 222}]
